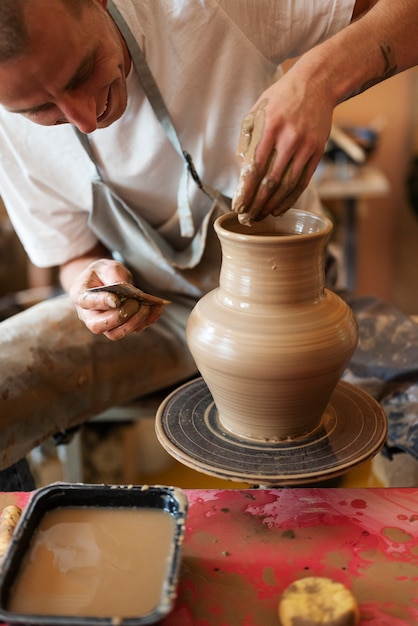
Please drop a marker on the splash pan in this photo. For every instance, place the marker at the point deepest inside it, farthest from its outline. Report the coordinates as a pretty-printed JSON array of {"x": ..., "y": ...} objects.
[{"x": 94, "y": 554}]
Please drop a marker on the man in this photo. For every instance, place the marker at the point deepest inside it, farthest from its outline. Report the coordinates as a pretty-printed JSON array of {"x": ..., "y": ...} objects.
[{"x": 122, "y": 206}]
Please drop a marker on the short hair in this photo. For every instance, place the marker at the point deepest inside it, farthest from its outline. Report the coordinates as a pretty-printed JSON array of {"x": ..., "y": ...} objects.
[{"x": 14, "y": 35}]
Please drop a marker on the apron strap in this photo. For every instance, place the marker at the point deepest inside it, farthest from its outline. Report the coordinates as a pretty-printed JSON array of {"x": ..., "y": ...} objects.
[{"x": 155, "y": 98}]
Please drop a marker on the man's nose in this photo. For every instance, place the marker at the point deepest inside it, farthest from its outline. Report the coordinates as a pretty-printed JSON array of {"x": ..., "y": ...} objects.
[{"x": 80, "y": 110}]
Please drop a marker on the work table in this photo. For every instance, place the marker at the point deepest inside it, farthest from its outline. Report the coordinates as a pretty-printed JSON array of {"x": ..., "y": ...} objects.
[{"x": 242, "y": 548}]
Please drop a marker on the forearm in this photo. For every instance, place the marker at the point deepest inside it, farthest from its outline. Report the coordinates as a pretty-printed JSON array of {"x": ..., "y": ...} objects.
[
  {"x": 71, "y": 270},
  {"x": 381, "y": 43}
]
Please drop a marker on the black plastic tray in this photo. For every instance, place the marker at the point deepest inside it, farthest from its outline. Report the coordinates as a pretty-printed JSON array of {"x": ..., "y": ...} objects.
[{"x": 59, "y": 495}]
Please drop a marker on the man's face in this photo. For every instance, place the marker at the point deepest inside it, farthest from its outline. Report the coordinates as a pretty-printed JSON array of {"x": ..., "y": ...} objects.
[{"x": 74, "y": 71}]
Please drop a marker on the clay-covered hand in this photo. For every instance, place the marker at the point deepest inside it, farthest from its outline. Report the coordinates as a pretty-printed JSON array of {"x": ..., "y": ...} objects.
[
  {"x": 104, "y": 312},
  {"x": 281, "y": 142}
]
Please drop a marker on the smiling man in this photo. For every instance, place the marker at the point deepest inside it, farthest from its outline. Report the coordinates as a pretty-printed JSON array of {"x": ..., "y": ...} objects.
[
  {"x": 71, "y": 66},
  {"x": 96, "y": 176}
]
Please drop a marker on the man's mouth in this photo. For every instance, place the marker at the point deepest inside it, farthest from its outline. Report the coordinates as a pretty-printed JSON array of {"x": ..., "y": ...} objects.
[{"x": 103, "y": 113}]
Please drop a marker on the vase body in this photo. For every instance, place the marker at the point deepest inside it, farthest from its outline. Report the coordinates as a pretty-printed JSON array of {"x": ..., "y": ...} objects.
[{"x": 271, "y": 342}]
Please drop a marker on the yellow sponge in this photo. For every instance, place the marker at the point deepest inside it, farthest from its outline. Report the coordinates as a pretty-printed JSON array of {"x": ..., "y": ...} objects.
[{"x": 316, "y": 601}]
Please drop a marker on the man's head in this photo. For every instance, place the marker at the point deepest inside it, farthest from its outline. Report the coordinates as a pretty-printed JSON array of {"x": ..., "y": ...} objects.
[{"x": 62, "y": 61}]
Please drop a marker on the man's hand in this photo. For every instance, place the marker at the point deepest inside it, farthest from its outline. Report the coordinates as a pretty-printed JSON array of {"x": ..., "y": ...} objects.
[
  {"x": 104, "y": 312},
  {"x": 281, "y": 143},
  {"x": 284, "y": 135}
]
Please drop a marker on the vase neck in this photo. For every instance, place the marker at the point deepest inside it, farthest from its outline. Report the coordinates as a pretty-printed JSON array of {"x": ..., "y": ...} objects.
[{"x": 272, "y": 270}]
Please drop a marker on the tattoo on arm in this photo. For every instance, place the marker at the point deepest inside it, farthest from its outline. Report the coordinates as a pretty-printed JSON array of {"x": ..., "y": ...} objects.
[{"x": 390, "y": 68}]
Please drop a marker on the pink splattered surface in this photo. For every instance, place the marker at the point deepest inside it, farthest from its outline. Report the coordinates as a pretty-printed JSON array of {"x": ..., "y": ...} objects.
[
  {"x": 19, "y": 498},
  {"x": 243, "y": 548}
]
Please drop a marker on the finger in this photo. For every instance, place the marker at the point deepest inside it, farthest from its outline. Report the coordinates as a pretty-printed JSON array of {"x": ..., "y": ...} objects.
[
  {"x": 286, "y": 196},
  {"x": 101, "y": 322},
  {"x": 252, "y": 150},
  {"x": 145, "y": 316},
  {"x": 294, "y": 180},
  {"x": 98, "y": 301},
  {"x": 257, "y": 209},
  {"x": 283, "y": 173},
  {"x": 107, "y": 271},
  {"x": 155, "y": 313},
  {"x": 289, "y": 170}
]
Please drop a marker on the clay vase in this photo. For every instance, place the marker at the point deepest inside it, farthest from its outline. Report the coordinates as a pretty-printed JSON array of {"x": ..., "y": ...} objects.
[{"x": 271, "y": 342}]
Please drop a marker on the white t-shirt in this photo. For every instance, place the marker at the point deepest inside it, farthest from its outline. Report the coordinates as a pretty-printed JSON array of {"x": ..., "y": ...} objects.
[{"x": 211, "y": 60}]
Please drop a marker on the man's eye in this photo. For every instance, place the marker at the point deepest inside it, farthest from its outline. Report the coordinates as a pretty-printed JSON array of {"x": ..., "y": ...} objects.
[
  {"x": 46, "y": 117},
  {"x": 82, "y": 77}
]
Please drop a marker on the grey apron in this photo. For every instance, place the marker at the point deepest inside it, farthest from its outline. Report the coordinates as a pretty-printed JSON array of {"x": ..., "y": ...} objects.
[{"x": 156, "y": 266}]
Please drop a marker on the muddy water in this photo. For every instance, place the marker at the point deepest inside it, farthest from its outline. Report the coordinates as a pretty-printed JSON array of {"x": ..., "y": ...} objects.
[{"x": 95, "y": 562}]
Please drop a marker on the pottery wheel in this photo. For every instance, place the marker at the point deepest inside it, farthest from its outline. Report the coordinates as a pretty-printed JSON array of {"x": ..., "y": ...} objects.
[{"x": 353, "y": 430}]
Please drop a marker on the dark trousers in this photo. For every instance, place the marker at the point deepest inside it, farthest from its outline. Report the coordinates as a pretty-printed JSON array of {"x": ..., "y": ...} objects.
[{"x": 17, "y": 477}]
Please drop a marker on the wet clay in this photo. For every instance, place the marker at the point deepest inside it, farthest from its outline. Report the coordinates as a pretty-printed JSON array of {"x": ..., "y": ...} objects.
[
  {"x": 251, "y": 132},
  {"x": 100, "y": 562},
  {"x": 271, "y": 342},
  {"x": 252, "y": 129}
]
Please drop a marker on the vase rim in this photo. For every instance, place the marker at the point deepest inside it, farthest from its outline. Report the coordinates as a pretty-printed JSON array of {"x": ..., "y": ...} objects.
[{"x": 294, "y": 224}]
